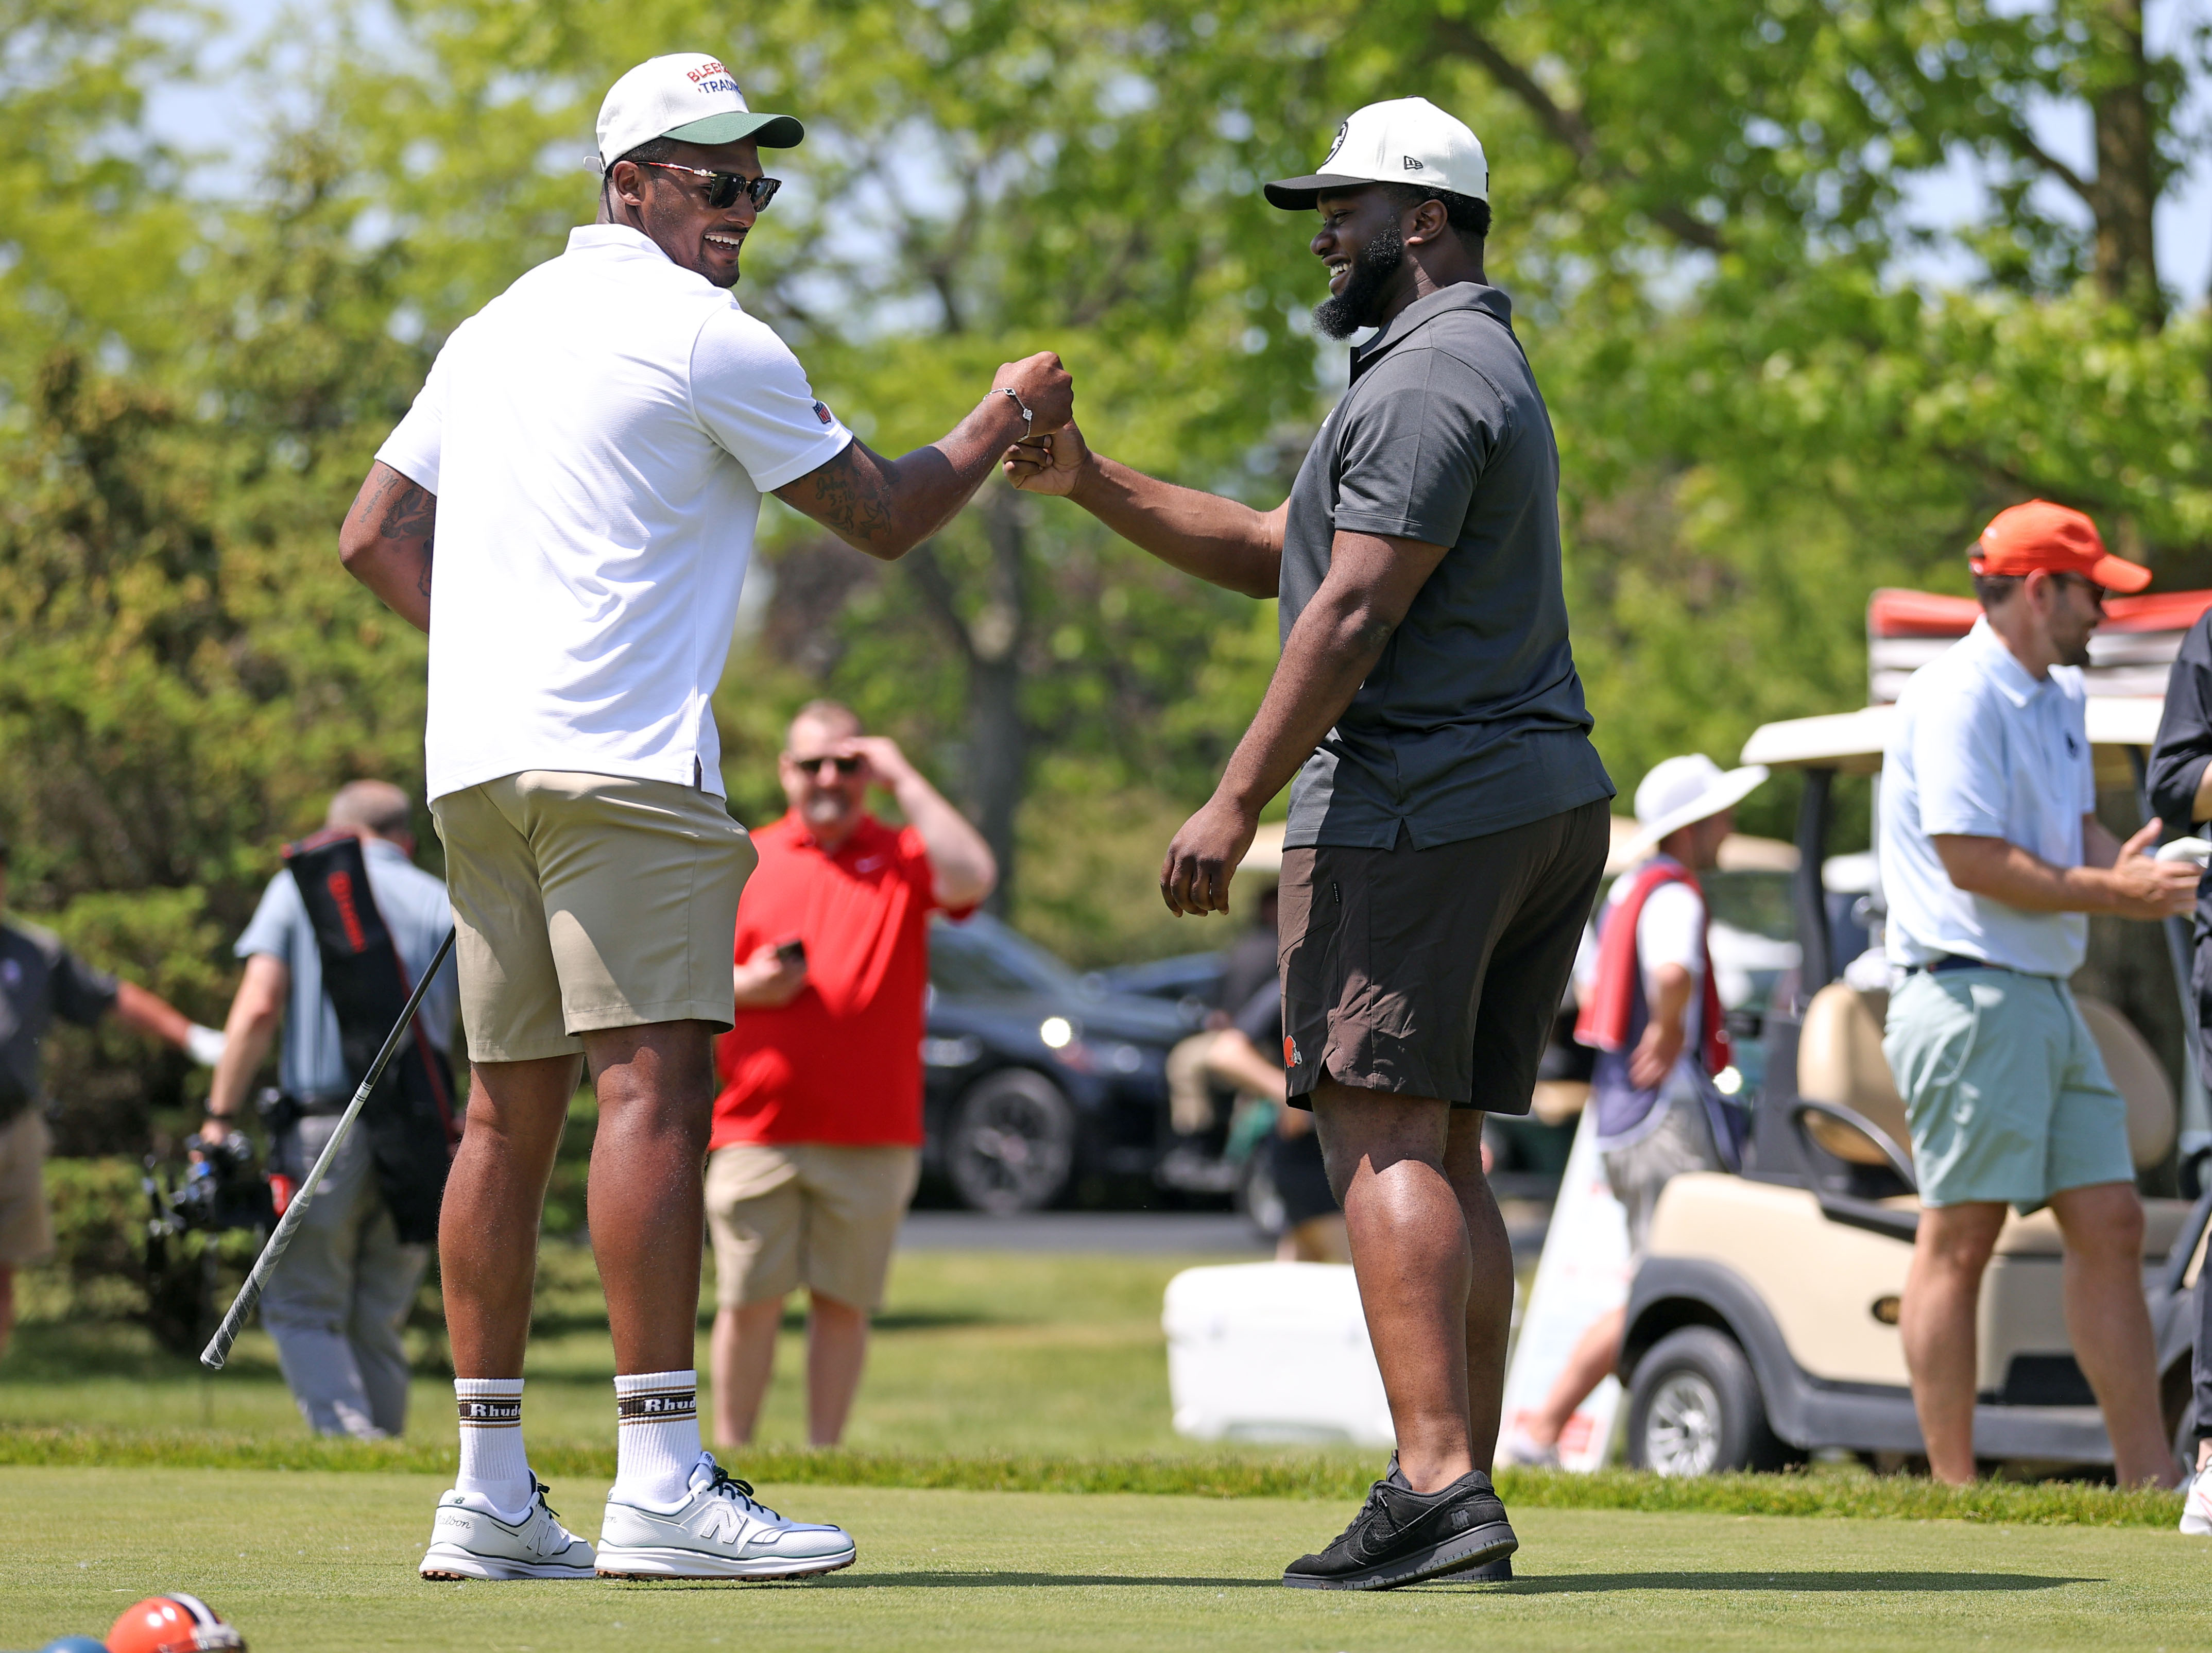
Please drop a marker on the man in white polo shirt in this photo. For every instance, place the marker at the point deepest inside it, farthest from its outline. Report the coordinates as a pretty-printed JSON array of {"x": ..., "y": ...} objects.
[
  {"x": 1991, "y": 856},
  {"x": 590, "y": 454}
]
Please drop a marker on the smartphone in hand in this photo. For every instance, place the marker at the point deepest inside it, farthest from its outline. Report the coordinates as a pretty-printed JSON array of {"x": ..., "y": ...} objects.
[{"x": 791, "y": 954}]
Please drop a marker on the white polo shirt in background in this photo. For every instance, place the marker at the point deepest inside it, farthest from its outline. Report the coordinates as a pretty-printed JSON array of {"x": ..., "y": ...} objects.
[
  {"x": 1670, "y": 930},
  {"x": 598, "y": 438},
  {"x": 1983, "y": 750}
]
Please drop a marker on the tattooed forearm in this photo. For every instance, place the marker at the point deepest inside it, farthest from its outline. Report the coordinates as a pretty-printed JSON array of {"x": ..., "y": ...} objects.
[
  {"x": 850, "y": 495},
  {"x": 409, "y": 513},
  {"x": 386, "y": 542}
]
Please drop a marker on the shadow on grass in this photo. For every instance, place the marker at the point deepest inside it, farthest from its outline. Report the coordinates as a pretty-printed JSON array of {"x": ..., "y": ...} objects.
[
  {"x": 1849, "y": 1583},
  {"x": 1574, "y": 1584},
  {"x": 1034, "y": 1580}
]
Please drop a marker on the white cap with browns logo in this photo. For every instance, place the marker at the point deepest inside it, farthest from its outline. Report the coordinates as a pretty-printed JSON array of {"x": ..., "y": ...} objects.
[
  {"x": 1404, "y": 141},
  {"x": 687, "y": 95}
]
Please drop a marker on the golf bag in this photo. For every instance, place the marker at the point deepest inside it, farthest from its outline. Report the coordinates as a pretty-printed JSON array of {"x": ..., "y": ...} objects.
[
  {"x": 222, "y": 1188},
  {"x": 410, "y": 1117}
]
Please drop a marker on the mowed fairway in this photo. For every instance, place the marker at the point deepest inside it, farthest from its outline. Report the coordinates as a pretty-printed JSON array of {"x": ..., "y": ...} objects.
[{"x": 307, "y": 1562}]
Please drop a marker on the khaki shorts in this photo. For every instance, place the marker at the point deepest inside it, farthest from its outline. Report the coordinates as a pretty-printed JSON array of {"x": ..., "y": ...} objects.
[
  {"x": 588, "y": 901},
  {"x": 806, "y": 1213},
  {"x": 1680, "y": 1140},
  {"x": 27, "y": 1227}
]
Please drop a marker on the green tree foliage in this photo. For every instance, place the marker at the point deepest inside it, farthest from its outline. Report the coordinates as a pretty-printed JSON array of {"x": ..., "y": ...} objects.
[{"x": 1702, "y": 206}]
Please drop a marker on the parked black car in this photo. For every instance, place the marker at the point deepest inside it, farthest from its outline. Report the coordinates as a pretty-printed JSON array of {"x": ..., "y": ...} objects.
[{"x": 1035, "y": 1078}]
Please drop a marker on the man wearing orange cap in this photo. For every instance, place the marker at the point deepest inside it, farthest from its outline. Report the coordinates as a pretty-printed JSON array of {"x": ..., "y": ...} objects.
[{"x": 1992, "y": 858}]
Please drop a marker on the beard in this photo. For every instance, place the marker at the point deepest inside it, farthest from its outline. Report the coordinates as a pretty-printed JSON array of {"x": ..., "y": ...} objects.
[{"x": 1342, "y": 315}]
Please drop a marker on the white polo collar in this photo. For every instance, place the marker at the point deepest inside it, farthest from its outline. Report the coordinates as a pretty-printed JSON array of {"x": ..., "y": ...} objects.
[
  {"x": 589, "y": 238},
  {"x": 1997, "y": 664}
]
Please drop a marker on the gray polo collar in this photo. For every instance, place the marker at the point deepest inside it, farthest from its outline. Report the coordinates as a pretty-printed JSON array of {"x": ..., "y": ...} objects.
[{"x": 1460, "y": 295}]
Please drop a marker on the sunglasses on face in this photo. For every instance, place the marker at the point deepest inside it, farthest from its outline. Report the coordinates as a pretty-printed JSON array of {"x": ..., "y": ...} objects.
[
  {"x": 723, "y": 189},
  {"x": 2096, "y": 592},
  {"x": 813, "y": 765}
]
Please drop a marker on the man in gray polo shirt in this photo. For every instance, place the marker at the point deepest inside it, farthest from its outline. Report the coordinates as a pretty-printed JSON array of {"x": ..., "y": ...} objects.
[
  {"x": 1448, "y": 825},
  {"x": 337, "y": 1303}
]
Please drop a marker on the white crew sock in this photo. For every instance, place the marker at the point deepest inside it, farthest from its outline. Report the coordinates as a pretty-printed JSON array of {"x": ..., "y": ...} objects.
[
  {"x": 493, "y": 1467},
  {"x": 657, "y": 1444}
]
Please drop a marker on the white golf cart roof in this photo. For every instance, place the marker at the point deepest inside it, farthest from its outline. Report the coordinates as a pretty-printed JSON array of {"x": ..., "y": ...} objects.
[
  {"x": 1852, "y": 742},
  {"x": 2129, "y": 659}
]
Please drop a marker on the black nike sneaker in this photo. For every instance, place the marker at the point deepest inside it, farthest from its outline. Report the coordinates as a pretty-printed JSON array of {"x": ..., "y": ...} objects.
[{"x": 1401, "y": 1537}]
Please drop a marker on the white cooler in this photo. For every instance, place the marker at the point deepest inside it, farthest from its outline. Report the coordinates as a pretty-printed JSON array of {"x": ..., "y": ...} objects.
[{"x": 1273, "y": 1351}]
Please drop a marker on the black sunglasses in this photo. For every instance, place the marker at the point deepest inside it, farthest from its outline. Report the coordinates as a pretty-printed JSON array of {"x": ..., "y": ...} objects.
[
  {"x": 812, "y": 765},
  {"x": 723, "y": 189},
  {"x": 2097, "y": 592}
]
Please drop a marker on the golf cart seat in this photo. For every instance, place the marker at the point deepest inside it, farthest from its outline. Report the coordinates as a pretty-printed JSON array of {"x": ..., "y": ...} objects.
[
  {"x": 1847, "y": 1102},
  {"x": 1848, "y": 1106}
]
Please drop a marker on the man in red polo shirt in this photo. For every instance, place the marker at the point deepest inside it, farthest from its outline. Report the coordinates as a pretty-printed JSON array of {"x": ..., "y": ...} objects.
[{"x": 817, "y": 1131}]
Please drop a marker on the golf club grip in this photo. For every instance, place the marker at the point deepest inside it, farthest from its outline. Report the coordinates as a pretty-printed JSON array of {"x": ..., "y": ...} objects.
[{"x": 242, "y": 1305}]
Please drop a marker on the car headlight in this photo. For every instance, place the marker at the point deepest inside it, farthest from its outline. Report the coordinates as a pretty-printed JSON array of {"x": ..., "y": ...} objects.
[{"x": 1057, "y": 1031}]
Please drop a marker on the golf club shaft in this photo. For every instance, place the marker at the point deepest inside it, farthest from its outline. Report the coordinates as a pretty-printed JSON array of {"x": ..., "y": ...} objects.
[{"x": 241, "y": 1306}]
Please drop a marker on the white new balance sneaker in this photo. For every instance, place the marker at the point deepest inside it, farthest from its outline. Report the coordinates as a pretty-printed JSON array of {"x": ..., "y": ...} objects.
[
  {"x": 2196, "y": 1507},
  {"x": 718, "y": 1532},
  {"x": 468, "y": 1540}
]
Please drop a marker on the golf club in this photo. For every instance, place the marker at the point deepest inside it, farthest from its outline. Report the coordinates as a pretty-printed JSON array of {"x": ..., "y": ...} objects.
[{"x": 218, "y": 1348}]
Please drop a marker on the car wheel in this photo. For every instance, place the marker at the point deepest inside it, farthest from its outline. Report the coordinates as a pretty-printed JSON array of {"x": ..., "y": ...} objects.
[
  {"x": 1012, "y": 1144},
  {"x": 1695, "y": 1408}
]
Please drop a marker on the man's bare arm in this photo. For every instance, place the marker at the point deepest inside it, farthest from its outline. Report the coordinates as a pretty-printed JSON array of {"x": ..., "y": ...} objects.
[
  {"x": 1666, "y": 1031},
  {"x": 2132, "y": 886},
  {"x": 250, "y": 1029},
  {"x": 1219, "y": 540},
  {"x": 385, "y": 543},
  {"x": 888, "y": 507},
  {"x": 1372, "y": 583}
]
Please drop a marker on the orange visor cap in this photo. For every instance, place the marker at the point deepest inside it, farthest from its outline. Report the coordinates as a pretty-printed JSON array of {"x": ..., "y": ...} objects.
[{"x": 2041, "y": 535}]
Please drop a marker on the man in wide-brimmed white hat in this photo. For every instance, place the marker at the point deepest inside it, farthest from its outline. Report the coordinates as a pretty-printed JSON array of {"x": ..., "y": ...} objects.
[{"x": 1652, "y": 1011}]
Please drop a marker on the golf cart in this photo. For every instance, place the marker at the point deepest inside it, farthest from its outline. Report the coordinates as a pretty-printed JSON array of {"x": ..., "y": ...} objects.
[{"x": 1762, "y": 1325}]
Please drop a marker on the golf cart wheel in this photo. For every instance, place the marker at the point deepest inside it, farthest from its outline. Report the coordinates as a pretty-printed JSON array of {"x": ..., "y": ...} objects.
[
  {"x": 1695, "y": 1408},
  {"x": 1012, "y": 1143}
]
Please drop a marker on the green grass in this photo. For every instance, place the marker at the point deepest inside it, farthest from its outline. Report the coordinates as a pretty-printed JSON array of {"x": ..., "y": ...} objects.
[
  {"x": 1834, "y": 1491},
  {"x": 975, "y": 1353},
  {"x": 305, "y": 1562},
  {"x": 990, "y": 1372}
]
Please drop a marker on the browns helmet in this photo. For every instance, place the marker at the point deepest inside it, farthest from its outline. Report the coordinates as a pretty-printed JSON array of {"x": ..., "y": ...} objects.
[{"x": 175, "y": 1623}]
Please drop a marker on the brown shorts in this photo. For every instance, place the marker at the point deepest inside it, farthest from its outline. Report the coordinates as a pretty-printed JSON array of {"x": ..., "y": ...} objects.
[{"x": 1436, "y": 972}]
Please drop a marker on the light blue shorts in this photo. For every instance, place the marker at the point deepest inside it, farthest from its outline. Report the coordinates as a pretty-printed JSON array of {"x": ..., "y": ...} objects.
[{"x": 2004, "y": 1088}]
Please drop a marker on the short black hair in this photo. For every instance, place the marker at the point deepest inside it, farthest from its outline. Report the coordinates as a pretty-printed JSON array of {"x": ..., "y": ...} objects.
[
  {"x": 1994, "y": 591},
  {"x": 652, "y": 149},
  {"x": 1464, "y": 213}
]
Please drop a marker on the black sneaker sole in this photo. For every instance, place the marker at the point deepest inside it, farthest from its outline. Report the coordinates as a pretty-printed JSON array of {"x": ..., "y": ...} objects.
[{"x": 1475, "y": 1547}]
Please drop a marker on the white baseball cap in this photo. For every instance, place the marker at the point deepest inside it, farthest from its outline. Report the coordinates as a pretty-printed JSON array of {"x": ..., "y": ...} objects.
[
  {"x": 1679, "y": 791},
  {"x": 1404, "y": 141},
  {"x": 687, "y": 95}
]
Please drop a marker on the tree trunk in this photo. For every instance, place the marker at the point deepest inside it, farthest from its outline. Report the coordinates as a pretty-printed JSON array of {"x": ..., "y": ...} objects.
[
  {"x": 991, "y": 645},
  {"x": 2124, "y": 195},
  {"x": 998, "y": 741}
]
